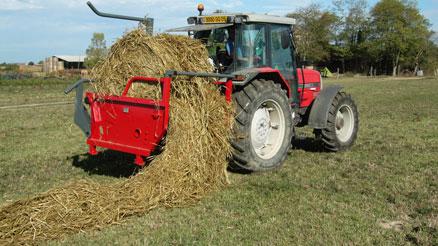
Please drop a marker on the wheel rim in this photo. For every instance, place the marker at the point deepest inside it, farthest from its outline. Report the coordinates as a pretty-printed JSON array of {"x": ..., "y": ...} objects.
[
  {"x": 267, "y": 129},
  {"x": 344, "y": 123}
]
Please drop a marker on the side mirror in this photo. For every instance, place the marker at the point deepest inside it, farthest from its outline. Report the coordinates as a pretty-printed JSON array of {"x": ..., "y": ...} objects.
[{"x": 285, "y": 39}]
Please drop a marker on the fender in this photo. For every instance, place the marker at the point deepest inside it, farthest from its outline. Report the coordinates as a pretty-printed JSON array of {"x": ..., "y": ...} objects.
[
  {"x": 268, "y": 73},
  {"x": 321, "y": 106}
]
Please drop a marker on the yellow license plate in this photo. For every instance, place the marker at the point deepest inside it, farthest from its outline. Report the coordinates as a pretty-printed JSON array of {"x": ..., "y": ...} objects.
[{"x": 215, "y": 19}]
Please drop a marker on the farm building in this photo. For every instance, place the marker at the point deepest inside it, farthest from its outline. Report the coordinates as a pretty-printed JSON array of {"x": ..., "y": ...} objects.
[{"x": 61, "y": 63}]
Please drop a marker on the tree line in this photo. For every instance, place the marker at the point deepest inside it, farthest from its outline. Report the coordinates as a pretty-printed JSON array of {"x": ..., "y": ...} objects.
[{"x": 390, "y": 38}]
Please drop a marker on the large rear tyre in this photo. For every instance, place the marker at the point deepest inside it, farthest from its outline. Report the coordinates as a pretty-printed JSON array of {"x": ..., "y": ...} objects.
[
  {"x": 263, "y": 126},
  {"x": 342, "y": 124}
]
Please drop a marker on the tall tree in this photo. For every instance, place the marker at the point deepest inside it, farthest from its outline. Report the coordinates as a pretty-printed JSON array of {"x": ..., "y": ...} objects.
[
  {"x": 97, "y": 50},
  {"x": 398, "y": 32},
  {"x": 313, "y": 32},
  {"x": 352, "y": 16},
  {"x": 350, "y": 32}
]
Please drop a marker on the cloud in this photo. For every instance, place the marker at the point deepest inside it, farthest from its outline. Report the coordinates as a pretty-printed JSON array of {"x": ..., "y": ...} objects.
[{"x": 18, "y": 4}]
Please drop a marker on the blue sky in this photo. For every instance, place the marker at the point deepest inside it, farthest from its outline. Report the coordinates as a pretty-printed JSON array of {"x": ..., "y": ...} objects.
[{"x": 31, "y": 30}]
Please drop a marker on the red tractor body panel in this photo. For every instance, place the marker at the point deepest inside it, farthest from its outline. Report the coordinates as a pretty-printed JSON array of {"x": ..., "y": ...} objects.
[
  {"x": 276, "y": 76},
  {"x": 312, "y": 82},
  {"x": 312, "y": 86}
]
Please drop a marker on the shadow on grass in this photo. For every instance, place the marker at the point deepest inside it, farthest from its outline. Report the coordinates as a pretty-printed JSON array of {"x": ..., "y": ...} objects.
[
  {"x": 234, "y": 168},
  {"x": 107, "y": 163},
  {"x": 308, "y": 144},
  {"x": 121, "y": 165}
]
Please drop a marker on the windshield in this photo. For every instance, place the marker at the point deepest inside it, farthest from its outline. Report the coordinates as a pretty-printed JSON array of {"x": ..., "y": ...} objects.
[
  {"x": 219, "y": 43},
  {"x": 250, "y": 48},
  {"x": 230, "y": 52}
]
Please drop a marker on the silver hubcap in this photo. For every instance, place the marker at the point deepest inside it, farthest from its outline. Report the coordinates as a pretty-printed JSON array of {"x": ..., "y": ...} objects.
[
  {"x": 344, "y": 123},
  {"x": 267, "y": 129}
]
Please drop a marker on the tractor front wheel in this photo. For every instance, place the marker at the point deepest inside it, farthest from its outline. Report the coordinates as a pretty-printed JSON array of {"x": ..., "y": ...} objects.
[
  {"x": 263, "y": 126},
  {"x": 342, "y": 124}
]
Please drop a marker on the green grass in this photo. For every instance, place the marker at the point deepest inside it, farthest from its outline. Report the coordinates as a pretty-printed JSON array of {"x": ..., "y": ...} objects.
[
  {"x": 391, "y": 174},
  {"x": 18, "y": 92}
]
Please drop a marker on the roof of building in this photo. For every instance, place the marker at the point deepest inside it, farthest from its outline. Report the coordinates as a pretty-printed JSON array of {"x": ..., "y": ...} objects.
[{"x": 79, "y": 58}]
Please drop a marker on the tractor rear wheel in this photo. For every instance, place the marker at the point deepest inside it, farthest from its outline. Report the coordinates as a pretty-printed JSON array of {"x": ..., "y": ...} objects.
[
  {"x": 342, "y": 124},
  {"x": 263, "y": 126}
]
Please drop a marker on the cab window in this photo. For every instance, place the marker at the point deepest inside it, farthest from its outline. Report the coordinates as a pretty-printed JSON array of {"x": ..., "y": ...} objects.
[
  {"x": 281, "y": 56},
  {"x": 250, "y": 47},
  {"x": 216, "y": 43}
]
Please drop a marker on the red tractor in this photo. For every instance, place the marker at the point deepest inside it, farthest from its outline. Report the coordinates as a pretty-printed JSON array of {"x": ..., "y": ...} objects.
[{"x": 255, "y": 59}]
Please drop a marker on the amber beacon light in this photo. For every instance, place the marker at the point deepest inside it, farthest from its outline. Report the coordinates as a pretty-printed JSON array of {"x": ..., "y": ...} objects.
[{"x": 200, "y": 8}]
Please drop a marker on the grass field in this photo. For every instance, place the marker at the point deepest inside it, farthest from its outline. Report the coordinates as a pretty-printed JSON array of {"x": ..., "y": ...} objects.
[{"x": 383, "y": 191}]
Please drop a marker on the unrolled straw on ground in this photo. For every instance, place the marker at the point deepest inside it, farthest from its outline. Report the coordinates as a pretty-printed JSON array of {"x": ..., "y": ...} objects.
[{"x": 192, "y": 164}]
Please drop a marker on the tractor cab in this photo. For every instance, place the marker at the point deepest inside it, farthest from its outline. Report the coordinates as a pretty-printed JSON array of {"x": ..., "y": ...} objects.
[
  {"x": 240, "y": 41},
  {"x": 243, "y": 43},
  {"x": 245, "y": 46}
]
